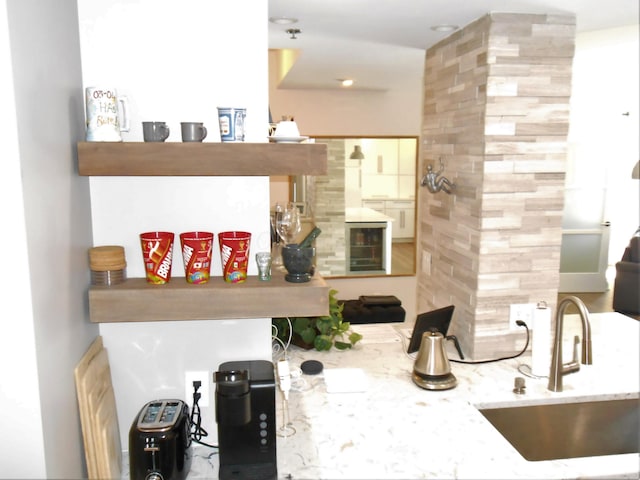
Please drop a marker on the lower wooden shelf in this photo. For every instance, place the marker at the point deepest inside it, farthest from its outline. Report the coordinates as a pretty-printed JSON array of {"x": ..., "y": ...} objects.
[{"x": 135, "y": 300}]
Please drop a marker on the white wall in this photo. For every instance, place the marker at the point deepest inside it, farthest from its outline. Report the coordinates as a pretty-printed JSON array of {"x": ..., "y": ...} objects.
[
  {"x": 178, "y": 61},
  {"x": 352, "y": 112},
  {"x": 606, "y": 142},
  {"x": 46, "y": 226},
  {"x": 19, "y": 392}
]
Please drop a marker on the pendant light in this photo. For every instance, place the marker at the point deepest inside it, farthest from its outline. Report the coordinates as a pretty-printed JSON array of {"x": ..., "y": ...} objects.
[{"x": 357, "y": 153}]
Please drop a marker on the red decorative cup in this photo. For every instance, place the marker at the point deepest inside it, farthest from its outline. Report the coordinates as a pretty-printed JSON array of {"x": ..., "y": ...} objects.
[
  {"x": 157, "y": 253},
  {"x": 196, "y": 254},
  {"x": 234, "y": 253}
]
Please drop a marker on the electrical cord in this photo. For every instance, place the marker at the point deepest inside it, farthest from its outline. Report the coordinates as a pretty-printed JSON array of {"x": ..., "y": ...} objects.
[
  {"x": 195, "y": 422},
  {"x": 279, "y": 344},
  {"x": 525, "y": 369},
  {"x": 519, "y": 323}
]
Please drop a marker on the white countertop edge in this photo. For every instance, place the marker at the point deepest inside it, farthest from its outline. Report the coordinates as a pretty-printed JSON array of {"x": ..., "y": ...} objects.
[{"x": 361, "y": 215}]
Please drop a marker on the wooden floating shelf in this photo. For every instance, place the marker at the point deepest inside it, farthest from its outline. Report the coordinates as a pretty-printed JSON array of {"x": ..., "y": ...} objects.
[
  {"x": 135, "y": 300},
  {"x": 200, "y": 159}
]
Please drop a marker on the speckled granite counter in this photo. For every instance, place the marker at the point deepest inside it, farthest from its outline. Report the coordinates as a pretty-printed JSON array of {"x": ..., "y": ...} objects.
[
  {"x": 396, "y": 430},
  {"x": 388, "y": 428}
]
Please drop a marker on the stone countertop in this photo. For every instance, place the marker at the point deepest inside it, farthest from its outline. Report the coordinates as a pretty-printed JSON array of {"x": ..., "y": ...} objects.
[
  {"x": 362, "y": 215},
  {"x": 392, "y": 429},
  {"x": 388, "y": 428}
]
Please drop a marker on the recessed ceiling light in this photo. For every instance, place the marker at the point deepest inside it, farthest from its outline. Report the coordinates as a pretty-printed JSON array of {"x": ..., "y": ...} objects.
[
  {"x": 345, "y": 82},
  {"x": 444, "y": 28},
  {"x": 283, "y": 20}
]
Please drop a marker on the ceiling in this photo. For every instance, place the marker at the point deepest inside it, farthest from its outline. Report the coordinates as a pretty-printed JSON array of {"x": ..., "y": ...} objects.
[{"x": 380, "y": 43}]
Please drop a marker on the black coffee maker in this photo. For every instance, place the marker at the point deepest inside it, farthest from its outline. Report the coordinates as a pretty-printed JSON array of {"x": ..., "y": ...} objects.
[{"x": 246, "y": 417}]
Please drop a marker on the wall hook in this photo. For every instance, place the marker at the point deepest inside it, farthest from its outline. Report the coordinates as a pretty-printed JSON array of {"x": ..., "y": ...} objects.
[{"x": 434, "y": 182}]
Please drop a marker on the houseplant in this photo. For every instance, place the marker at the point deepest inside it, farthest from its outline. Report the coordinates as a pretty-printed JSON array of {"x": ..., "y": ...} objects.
[{"x": 320, "y": 333}]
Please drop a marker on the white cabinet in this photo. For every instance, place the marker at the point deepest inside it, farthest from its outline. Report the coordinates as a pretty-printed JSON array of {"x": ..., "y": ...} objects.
[
  {"x": 402, "y": 212},
  {"x": 377, "y": 205},
  {"x": 380, "y": 157},
  {"x": 380, "y": 168},
  {"x": 387, "y": 170},
  {"x": 380, "y": 186},
  {"x": 406, "y": 156},
  {"x": 406, "y": 186},
  {"x": 407, "y": 167}
]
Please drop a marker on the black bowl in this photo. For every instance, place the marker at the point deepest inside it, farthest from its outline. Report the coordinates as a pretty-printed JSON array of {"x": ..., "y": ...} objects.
[{"x": 298, "y": 262}]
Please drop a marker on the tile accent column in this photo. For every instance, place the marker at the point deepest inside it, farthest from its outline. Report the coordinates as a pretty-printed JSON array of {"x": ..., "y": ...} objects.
[
  {"x": 496, "y": 112},
  {"x": 328, "y": 210}
]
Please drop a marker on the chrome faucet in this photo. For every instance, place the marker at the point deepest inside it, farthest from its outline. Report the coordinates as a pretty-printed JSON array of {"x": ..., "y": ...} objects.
[{"x": 558, "y": 369}]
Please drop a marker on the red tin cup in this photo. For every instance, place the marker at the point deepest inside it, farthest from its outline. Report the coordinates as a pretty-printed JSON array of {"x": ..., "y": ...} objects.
[
  {"x": 196, "y": 254},
  {"x": 157, "y": 253},
  {"x": 234, "y": 253}
]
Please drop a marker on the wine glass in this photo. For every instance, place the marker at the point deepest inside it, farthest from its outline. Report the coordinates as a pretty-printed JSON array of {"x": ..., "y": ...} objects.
[
  {"x": 288, "y": 225},
  {"x": 276, "y": 248}
]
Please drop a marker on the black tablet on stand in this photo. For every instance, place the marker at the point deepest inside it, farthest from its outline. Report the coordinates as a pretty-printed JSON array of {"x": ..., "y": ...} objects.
[{"x": 436, "y": 319}]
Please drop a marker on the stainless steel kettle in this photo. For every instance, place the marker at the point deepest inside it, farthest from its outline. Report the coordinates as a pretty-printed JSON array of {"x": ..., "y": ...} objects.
[{"x": 431, "y": 369}]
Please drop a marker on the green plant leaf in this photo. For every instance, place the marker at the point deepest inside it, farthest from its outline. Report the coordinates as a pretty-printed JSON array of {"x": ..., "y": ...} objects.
[
  {"x": 324, "y": 325},
  {"x": 322, "y": 342},
  {"x": 343, "y": 327},
  {"x": 342, "y": 345},
  {"x": 308, "y": 335},
  {"x": 355, "y": 337},
  {"x": 300, "y": 324},
  {"x": 322, "y": 332}
]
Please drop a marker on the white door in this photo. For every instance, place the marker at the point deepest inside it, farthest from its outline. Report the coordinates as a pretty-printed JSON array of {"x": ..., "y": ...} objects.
[
  {"x": 603, "y": 147},
  {"x": 585, "y": 241}
]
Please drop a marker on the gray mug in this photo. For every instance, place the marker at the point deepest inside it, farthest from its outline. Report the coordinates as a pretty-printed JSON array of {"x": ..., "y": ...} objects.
[
  {"x": 193, "y": 131},
  {"x": 155, "y": 131}
]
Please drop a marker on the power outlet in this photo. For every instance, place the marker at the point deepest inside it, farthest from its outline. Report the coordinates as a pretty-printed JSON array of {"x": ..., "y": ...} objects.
[
  {"x": 521, "y": 311},
  {"x": 203, "y": 378}
]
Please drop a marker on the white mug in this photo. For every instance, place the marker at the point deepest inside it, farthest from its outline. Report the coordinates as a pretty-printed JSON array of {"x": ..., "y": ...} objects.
[{"x": 107, "y": 114}]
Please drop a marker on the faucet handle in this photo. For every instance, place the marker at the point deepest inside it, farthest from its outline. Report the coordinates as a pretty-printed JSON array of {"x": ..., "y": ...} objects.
[
  {"x": 576, "y": 342},
  {"x": 574, "y": 365}
]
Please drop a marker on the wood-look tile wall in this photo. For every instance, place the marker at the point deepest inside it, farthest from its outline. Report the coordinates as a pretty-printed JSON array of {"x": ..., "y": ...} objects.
[
  {"x": 496, "y": 113},
  {"x": 328, "y": 211}
]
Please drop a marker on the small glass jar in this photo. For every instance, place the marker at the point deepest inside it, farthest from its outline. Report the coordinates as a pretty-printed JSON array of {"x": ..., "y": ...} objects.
[{"x": 263, "y": 259}]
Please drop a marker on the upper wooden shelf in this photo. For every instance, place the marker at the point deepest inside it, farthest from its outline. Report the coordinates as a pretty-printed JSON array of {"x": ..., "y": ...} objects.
[
  {"x": 135, "y": 300},
  {"x": 201, "y": 159}
]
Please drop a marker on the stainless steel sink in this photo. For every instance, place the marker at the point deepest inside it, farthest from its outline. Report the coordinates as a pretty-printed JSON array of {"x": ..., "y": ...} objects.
[{"x": 570, "y": 430}]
